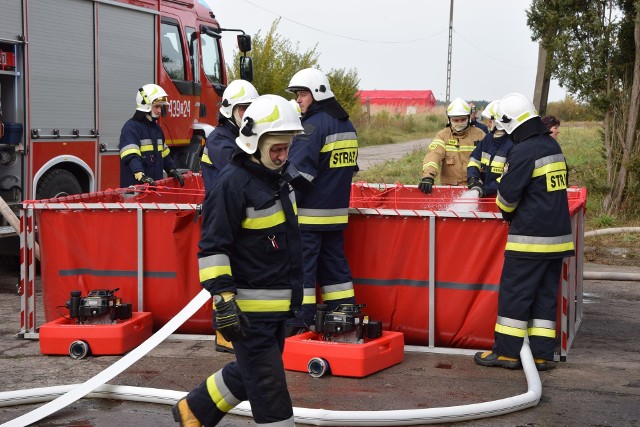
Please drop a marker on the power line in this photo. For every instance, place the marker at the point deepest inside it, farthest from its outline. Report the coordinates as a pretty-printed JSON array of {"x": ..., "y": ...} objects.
[
  {"x": 341, "y": 35},
  {"x": 524, "y": 67}
]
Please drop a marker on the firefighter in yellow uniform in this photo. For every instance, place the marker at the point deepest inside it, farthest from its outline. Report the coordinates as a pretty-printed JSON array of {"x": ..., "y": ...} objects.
[{"x": 449, "y": 152}]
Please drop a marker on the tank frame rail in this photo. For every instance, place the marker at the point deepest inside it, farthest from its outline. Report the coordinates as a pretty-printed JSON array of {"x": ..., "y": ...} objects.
[
  {"x": 570, "y": 287},
  {"x": 571, "y": 281},
  {"x": 28, "y": 326}
]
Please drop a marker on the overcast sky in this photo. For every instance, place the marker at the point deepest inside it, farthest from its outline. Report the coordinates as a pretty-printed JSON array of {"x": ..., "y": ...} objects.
[{"x": 403, "y": 44}]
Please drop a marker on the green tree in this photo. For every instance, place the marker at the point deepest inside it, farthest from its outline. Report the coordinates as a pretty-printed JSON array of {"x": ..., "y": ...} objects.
[
  {"x": 595, "y": 54},
  {"x": 276, "y": 59}
]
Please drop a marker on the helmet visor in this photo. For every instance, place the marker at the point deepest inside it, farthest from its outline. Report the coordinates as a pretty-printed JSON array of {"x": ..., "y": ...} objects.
[{"x": 163, "y": 100}]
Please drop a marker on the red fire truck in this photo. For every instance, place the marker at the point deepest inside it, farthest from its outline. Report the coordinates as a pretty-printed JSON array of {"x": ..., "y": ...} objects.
[{"x": 69, "y": 74}]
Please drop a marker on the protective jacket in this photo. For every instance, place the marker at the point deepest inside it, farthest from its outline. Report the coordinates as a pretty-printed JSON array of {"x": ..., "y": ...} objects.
[
  {"x": 326, "y": 154},
  {"x": 448, "y": 154},
  {"x": 487, "y": 161},
  {"x": 253, "y": 246},
  {"x": 532, "y": 195},
  {"x": 218, "y": 149},
  {"x": 142, "y": 149}
]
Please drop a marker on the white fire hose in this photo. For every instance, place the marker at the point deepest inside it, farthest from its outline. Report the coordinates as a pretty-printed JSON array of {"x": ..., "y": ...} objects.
[
  {"x": 96, "y": 387},
  {"x": 62, "y": 396},
  {"x": 101, "y": 378}
]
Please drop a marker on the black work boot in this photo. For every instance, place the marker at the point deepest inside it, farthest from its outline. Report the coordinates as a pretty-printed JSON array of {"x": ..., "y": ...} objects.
[{"x": 489, "y": 358}]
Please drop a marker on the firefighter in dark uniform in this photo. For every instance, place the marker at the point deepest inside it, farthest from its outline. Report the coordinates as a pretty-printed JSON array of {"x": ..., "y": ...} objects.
[
  {"x": 488, "y": 158},
  {"x": 221, "y": 142},
  {"x": 250, "y": 260},
  {"x": 326, "y": 154},
  {"x": 143, "y": 153},
  {"x": 532, "y": 196},
  {"x": 220, "y": 146}
]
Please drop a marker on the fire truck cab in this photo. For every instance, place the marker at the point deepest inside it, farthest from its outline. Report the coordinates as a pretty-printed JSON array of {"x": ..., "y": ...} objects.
[{"x": 69, "y": 73}]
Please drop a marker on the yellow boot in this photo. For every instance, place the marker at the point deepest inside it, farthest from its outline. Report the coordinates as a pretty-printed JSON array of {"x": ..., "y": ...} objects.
[
  {"x": 182, "y": 414},
  {"x": 222, "y": 345}
]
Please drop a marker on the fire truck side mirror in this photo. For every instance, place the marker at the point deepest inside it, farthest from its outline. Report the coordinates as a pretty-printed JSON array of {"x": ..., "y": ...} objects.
[
  {"x": 219, "y": 89},
  {"x": 244, "y": 43},
  {"x": 246, "y": 68}
]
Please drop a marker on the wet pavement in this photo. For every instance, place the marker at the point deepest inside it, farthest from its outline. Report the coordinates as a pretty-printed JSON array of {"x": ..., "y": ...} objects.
[{"x": 598, "y": 385}]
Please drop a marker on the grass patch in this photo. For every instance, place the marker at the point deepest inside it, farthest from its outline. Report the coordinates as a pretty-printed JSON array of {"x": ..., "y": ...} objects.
[
  {"x": 407, "y": 170},
  {"x": 387, "y": 127},
  {"x": 581, "y": 143}
]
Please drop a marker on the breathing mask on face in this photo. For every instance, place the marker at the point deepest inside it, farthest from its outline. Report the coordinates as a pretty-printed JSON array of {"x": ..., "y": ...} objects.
[{"x": 459, "y": 125}]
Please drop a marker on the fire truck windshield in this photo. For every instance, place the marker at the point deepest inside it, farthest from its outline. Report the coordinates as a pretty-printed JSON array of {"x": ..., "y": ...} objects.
[
  {"x": 172, "y": 58},
  {"x": 211, "y": 58}
]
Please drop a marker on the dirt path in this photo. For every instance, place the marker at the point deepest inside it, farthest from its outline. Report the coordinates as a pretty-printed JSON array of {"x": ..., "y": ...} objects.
[{"x": 373, "y": 155}]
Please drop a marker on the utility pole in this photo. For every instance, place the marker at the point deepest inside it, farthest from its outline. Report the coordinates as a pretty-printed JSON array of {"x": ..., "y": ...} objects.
[
  {"x": 449, "y": 54},
  {"x": 543, "y": 79}
]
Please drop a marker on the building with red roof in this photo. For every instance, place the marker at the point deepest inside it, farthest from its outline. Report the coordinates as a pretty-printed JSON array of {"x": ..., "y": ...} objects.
[{"x": 400, "y": 101}]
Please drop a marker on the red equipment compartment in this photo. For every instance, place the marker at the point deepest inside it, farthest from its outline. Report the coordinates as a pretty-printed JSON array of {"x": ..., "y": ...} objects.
[
  {"x": 347, "y": 360},
  {"x": 105, "y": 339},
  {"x": 7, "y": 61}
]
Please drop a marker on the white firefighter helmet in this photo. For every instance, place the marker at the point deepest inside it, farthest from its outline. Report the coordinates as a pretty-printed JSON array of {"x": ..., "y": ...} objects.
[
  {"x": 267, "y": 114},
  {"x": 458, "y": 107},
  {"x": 148, "y": 95},
  {"x": 313, "y": 80},
  {"x": 513, "y": 110},
  {"x": 490, "y": 112},
  {"x": 239, "y": 92},
  {"x": 296, "y": 106}
]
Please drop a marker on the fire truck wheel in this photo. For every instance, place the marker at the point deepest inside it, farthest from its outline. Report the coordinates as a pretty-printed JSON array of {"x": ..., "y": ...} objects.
[
  {"x": 78, "y": 349},
  {"x": 57, "y": 183},
  {"x": 317, "y": 367}
]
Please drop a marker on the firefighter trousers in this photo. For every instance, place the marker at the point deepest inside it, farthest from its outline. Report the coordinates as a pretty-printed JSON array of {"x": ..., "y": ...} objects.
[
  {"x": 527, "y": 304},
  {"x": 257, "y": 375},
  {"x": 325, "y": 264}
]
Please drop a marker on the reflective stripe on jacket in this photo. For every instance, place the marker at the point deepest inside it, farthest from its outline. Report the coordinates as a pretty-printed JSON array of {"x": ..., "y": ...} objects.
[
  {"x": 532, "y": 194},
  {"x": 142, "y": 149},
  {"x": 448, "y": 155},
  {"x": 327, "y": 155},
  {"x": 487, "y": 161},
  {"x": 218, "y": 149},
  {"x": 252, "y": 246}
]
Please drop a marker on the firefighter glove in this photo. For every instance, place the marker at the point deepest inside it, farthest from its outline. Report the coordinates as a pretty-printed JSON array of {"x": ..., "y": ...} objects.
[
  {"x": 426, "y": 185},
  {"x": 177, "y": 175},
  {"x": 475, "y": 183},
  {"x": 144, "y": 179},
  {"x": 230, "y": 320}
]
